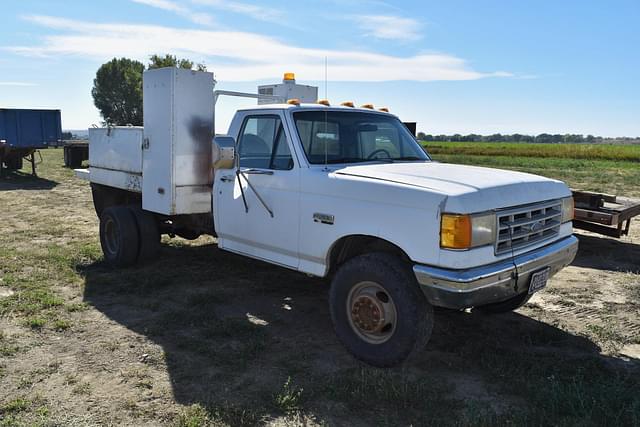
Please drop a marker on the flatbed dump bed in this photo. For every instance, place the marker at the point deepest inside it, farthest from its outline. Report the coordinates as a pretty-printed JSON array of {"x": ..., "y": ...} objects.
[{"x": 605, "y": 214}]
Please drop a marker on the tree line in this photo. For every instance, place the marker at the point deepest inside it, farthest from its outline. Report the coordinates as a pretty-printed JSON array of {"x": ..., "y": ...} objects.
[{"x": 543, "y": 138}]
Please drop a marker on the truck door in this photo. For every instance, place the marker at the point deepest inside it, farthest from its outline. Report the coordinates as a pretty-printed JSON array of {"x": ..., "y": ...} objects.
[{"x": 257, "y": 205}]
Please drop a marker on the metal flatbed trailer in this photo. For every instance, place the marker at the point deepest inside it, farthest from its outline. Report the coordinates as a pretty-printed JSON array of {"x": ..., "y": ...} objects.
[
  {"x": 25, "y": 131},
  {"x": 605, "y": 214}
]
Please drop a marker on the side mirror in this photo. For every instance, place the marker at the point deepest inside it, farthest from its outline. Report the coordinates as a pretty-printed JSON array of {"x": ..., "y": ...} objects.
[{"x": 223, "y": 152}]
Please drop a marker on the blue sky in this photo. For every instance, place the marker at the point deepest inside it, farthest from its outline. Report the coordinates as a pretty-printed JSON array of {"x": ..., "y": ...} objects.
[{"x": 454, "y": 67}]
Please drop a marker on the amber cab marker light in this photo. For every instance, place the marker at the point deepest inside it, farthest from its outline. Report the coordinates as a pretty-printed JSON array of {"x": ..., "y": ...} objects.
[
  {"x": 294, "y": 101},
  {"x": 384, "y": 109},
  {"x": 347, "y": 104},
  {"x": 455, "y": 231},
  {"x": 368, "y": 106},
  {"x": 289, "y": 76},
  {"x": 324, "y": 102}
]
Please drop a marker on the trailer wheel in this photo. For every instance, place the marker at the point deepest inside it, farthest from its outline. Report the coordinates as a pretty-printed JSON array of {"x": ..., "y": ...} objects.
[
  {"x": 119, "y": 236},
  {"x": 148, "y": 234},
  {"x": 378, "y": 310},
  {"x": 13, "y": 163}
]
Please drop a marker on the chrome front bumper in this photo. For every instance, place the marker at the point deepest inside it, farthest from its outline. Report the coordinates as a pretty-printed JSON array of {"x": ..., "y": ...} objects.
[{"x": 494, "y": 282}]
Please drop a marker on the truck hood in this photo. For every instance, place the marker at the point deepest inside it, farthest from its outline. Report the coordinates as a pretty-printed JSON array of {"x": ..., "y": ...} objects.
[{"x": 467, "y": 188}]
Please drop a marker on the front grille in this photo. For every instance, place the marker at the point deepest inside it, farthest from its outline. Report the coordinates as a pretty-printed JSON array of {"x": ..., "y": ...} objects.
[{"x": 527, "y": 225}]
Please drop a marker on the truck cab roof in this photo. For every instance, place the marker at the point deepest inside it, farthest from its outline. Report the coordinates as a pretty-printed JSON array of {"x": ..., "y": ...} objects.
[{"x": 312, "y": 107}]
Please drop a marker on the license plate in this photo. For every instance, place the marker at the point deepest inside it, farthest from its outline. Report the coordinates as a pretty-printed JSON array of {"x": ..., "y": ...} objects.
[{"x": 538, "y": 280}]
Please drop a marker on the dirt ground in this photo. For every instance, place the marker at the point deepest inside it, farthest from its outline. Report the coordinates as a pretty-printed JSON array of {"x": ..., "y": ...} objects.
[{"x": 202, "y": 337}]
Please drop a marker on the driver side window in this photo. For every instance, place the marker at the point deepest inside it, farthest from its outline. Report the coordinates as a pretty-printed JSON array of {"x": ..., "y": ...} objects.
[
  {"x": 380, "y": 138},
  {"x": 263, "y": 144}
]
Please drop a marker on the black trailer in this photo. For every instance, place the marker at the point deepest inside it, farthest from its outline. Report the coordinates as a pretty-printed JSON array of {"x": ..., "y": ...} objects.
[{"x": 75, "y": 152}]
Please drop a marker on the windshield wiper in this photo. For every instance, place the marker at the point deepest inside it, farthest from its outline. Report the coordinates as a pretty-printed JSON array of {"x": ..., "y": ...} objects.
[
  {"x": 378, "y": 159},
  {"x": 409, "y": 158},
  {"x": 346, "y": 160}
]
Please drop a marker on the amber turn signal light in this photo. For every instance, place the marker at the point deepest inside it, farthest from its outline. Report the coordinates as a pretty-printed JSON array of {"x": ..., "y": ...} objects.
[{"x": 455, "y": 231}]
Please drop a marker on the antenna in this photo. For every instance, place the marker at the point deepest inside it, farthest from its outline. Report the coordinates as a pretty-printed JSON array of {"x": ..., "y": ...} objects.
[
  {"x": 326, "y": 96},
  {"x": 326, "y": 90}
]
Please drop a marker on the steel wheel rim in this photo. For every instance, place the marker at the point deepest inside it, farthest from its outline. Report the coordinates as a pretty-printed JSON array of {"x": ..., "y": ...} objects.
[
  {"x": 110, "y": 236},
  {"x": 371, "y": 312}
]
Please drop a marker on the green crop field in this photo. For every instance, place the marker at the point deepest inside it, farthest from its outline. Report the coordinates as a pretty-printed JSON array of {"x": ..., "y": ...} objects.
[
  {"x": 608, "y": 168},
  {"x": 629, "y": 153}
]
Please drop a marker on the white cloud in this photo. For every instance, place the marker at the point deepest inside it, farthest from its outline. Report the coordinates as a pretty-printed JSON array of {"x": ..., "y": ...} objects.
[
  {"x": 389, "y": 27},
  {"x": 239, "y": 56},
  {"x": 17, "y": 84},
  {"x": 198, "y": 18},
  {"x": 256, "y": 12}
]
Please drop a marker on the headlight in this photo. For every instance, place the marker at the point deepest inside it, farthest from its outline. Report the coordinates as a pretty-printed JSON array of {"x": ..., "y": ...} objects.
[
  {"x": 467, "y": 231},
  {"x": 567, "y": 209}
]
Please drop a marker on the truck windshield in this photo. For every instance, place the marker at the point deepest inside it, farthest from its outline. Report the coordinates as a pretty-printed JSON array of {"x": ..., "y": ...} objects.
[{"x": 353, "y": 137}]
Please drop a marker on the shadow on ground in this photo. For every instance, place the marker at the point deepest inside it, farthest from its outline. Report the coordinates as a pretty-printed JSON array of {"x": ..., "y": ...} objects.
[
  {"x": 233, "y": 330},
  {"x": 16, "y": 180},
  {"x": 606, "y": 253}
]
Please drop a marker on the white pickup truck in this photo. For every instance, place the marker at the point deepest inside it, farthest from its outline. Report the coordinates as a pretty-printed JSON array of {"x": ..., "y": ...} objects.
[{"x": 332, "y": 191}]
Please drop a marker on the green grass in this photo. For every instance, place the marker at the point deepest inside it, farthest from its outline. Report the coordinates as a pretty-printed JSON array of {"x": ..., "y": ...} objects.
[
  {"x": 193, "y": 416},
  {"x": 61, "y": 325},
  {"x": 616, "y": 177},
  {"x": 18, "y": 404},
  {"x": 198, "y": 415},
  {"x": 35, "y": 322},
  {"x": 630, "y": 153},
  {"x": 392, "y": 394},
  {"x": 570, "y": 392},
  {"x": 225, "y": 370},
  {"x": 617, "y": 172},
  {"x": 8, "y": 349},
  {"x": 288, "y": 398}
]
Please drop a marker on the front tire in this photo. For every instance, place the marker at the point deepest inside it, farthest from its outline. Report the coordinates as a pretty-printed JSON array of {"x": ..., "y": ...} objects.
[
  {"x": 378, "y": 310},
  {"x": 119, "y": 236}
]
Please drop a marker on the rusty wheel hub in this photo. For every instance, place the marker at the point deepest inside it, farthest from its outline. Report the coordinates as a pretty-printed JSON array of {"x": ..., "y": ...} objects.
[
  {"x": 372, "y": 312},
  {"x": 368, "y": 314}
]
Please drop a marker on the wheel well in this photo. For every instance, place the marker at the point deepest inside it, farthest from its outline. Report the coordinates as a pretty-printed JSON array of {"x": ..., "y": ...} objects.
[
  {"x": 351, "y": 246},
  {"x": 105, "y": 196}
]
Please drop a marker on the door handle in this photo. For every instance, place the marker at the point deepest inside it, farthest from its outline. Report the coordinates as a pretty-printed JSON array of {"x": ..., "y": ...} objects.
[{"x": 226, "y": 178}]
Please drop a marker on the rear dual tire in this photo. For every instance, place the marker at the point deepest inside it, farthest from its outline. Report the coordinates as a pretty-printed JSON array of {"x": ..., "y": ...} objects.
[
  {"x": 148, "y": 235},
  {"x": 128, "y": 235}
]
